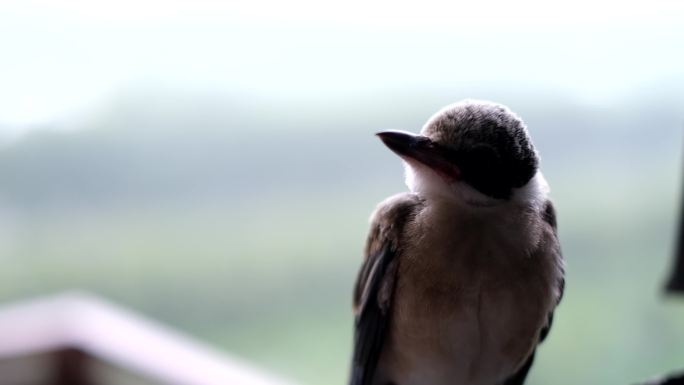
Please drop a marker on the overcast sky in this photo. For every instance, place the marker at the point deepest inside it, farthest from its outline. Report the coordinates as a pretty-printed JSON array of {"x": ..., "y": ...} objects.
[{"x": 65, "y": 58}]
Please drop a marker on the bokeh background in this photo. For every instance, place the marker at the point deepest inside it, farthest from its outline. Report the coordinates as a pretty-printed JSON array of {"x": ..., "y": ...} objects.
[{"x": 213, "y": 164}]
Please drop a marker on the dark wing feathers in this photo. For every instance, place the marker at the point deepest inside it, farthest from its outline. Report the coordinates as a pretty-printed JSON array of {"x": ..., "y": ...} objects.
[
  {"x": 375, "y": 285},
  {"x": 373, "y": 319},
  {"x": 519, "y": 377},
  {"x": 549, "y": 216}
]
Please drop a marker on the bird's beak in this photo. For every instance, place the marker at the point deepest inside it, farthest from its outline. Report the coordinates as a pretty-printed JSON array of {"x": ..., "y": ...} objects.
[{"x": 421, "y": 149}]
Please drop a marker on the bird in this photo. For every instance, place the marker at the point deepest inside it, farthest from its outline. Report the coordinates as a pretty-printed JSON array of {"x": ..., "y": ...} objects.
[{"x": 463, "y": 272}]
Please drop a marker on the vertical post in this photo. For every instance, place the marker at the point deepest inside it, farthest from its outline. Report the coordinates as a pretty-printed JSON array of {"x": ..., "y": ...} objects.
[
  {"x": 71, "y": 368},
  {"x": 675, "y": 284}
]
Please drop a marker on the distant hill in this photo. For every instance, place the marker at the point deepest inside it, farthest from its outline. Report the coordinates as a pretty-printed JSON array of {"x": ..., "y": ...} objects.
[{"x": 172, "y": 148}]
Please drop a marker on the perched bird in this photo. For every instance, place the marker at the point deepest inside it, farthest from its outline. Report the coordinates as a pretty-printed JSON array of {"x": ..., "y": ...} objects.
[{"x": 461, "y": 274}]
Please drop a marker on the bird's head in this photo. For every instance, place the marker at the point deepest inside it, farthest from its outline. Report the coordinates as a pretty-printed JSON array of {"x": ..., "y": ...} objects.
[{"x": 479, "y": 151}]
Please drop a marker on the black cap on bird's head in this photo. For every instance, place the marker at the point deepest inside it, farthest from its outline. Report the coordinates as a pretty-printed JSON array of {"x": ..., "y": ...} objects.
[{"x": 482, "y": 144}]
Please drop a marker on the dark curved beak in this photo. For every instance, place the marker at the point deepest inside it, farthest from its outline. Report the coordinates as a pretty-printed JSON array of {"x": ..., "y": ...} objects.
[{"x": 420, "y": 148}]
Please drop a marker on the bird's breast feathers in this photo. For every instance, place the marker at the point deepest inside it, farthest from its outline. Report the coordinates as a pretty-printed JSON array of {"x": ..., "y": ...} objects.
[{"x": 473, "y": 292}]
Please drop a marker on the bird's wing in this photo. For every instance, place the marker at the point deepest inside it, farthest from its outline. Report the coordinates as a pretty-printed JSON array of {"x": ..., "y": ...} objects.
[
  {"x": 374, "y": 288},
  {"x": 550, "y": 220},
  {"x": 551, "y": 247}
]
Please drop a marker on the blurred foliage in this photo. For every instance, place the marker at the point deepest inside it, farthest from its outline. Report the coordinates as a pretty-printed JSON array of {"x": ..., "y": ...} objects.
[{"x": 243, "y": 223}]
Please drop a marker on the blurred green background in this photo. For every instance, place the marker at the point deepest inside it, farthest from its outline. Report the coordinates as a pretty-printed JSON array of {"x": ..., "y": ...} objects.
[{"x": 214, "y": 165}]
